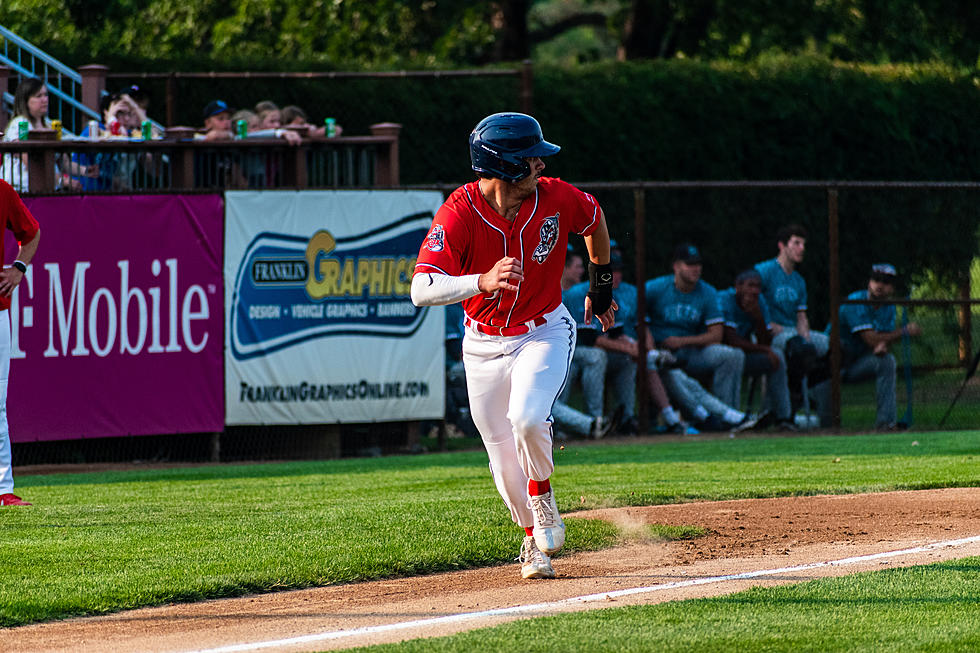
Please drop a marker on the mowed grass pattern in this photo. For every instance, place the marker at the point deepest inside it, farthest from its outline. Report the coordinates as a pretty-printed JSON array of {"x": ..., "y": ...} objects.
[
  {"x": 96, "y": 543},
  {"x": 928, "y": 608}
]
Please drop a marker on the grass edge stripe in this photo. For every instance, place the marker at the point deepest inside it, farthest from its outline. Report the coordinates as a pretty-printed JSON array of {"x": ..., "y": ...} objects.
[{"x": 588, "y": 598}]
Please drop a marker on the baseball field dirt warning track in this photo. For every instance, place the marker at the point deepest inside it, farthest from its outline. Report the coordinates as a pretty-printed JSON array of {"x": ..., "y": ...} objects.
[{"x": 749, "y": 543}]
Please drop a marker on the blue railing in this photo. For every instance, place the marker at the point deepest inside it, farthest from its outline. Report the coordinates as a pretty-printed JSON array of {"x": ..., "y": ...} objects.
[{"x": 64, "y": 84}]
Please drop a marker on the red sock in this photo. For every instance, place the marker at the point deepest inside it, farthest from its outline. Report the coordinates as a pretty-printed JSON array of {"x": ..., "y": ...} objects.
[
  {"x": 537, "y": 488},
  {"x": 529, "y": 530}
]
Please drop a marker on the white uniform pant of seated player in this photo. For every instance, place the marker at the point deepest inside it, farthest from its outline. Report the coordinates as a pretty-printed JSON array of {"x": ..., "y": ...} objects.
[{"x": 512, "y": 382}]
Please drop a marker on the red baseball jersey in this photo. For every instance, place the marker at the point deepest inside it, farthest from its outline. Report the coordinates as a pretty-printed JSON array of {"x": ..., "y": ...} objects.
[
  {"x": 468, "y": 237},
  {"x": 19, "y": 220}
]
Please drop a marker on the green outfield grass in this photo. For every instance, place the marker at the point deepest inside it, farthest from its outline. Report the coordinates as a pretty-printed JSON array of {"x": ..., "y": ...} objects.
[
  {"x": 96, "y": 543},
  {"x": 928, "y": 608}
]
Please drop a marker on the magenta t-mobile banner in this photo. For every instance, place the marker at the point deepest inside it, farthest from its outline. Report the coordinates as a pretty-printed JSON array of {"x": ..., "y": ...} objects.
[{"x": 116, "y": 328}]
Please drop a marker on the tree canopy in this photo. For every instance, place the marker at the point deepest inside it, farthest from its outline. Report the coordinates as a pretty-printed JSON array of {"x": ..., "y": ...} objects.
[{"x": 422, "y": 33}]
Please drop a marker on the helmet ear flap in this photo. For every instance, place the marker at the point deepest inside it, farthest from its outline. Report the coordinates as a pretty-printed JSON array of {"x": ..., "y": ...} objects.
[{"x": 514, "y": 169}]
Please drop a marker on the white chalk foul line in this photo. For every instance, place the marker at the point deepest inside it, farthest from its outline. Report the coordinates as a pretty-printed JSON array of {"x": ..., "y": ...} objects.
[{"x": 588, "y": 598}]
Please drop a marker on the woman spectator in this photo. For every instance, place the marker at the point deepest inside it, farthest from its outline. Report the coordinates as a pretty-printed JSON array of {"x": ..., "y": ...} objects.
[{"x": 31, "y": 107}]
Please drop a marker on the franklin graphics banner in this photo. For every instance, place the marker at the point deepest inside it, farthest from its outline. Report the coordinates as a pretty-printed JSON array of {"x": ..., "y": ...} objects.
[
  {"x": 116, "y": 328},
  {"x": 320, "y": 325}
]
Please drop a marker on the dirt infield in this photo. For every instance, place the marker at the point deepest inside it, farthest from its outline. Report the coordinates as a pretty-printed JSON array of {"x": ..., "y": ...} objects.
[{"x": 744, "y": 537}]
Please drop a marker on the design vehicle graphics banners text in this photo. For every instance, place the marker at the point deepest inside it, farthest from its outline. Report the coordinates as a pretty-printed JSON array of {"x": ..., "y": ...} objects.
[
  {"x": 116, "y": 328},
  {"x": 320, "y": 322}
]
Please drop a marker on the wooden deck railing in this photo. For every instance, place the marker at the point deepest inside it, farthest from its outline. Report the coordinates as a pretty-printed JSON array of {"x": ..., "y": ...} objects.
[{"x": 44, "y": 164}]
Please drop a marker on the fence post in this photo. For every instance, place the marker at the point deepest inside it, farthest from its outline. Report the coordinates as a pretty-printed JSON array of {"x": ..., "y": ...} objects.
[
  {"x": 386, "y": 172},
  {"x": 966, "y": 321},
  {"x": 93, "y": 84},
  {"x": 639, "y": 238},
  {"x": 833, "y": 260},
  {"x": 4, "y": 82},
  {"x": 527, "y": 86},
  {"x": 295, "y": 165},
  {"x": 182, "y": 159},
  {"x": 171, "y": 99},
  {"x": 40, "y": 162}
]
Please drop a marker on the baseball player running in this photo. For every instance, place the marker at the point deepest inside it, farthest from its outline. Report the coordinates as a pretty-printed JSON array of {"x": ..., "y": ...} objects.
[{"x": 498, "y": 246}]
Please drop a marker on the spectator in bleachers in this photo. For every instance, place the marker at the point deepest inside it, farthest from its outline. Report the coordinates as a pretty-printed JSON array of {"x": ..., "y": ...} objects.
[
  {"x": 217, "y": 121},
  {"x": 686, "y": 319},
  {"x": 250, "y": 117},
  {"x": 270, "y": 117},
  {"x": 31, "y": 108},
  {"x": 747, "y": 327},
  {"x": 121, "y": 119},
  {"x": 255, "y": 129},
  {"x": 294, "y": 116},
  {"x": 265, "y": 105},
  {"x": 140, "y": 96},
  {"x": 867, "y": 331}
]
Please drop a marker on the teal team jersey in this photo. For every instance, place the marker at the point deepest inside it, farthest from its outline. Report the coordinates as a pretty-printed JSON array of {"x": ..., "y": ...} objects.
[
  {"x": 855, "y": 318},
  {"x": 738, "y": 319},
  {"x": 625, "y": 296},
  {"x": 785, "y": 293},
  {"x": 674, "y": 313}
]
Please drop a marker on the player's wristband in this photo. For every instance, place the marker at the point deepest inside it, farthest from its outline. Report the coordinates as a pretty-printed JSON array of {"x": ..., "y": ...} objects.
[
  {"x": 600, "y": 287},
  {"x": 20, "y": 266}
]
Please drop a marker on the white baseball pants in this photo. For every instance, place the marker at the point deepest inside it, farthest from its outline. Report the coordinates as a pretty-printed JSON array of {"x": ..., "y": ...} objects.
[
  {"x": 512, "y": 384},
  {"x": 6, "y": 472}
]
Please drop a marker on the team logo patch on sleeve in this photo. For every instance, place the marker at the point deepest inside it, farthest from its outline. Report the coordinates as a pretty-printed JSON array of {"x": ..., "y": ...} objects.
[
  {"x": 549, "y": 237},
  {"x": 436, "y": 240}
]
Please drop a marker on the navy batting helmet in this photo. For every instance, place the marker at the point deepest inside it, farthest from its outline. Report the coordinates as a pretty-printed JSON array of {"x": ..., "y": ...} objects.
[{"x": 500, "y": 143}]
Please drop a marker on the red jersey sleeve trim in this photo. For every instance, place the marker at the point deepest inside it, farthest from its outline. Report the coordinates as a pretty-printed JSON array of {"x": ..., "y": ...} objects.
[{"x": 592, "y": 226}]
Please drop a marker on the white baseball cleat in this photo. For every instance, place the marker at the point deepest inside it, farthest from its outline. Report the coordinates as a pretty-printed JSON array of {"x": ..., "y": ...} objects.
[
  {"x": 549, "y": 529},
  {"x": 534, "y": 564}
]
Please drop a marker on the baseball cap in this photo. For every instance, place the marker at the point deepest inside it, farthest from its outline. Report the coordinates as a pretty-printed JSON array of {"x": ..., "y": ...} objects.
[
  {"x": 215, "y": 107},
  {"x": 688, "y": 253},
  {"x": 616, "y": 261},
  {"x": 884, "y": 272}
]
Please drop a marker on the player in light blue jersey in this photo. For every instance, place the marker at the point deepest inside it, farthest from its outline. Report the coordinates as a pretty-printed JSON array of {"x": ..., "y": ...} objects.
[
  {"x": 588, "y": 362},
  {"x": 621, "y": 346},
  {"x": 785, "y": 291},
  {"x": 686, "y": 319},
  {"x": 747, "y": 326},
  {"x": 867, "y": 330}
]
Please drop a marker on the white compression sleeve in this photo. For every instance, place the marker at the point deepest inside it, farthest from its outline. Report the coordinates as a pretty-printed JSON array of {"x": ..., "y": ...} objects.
[{"x": 430, "y": 289}]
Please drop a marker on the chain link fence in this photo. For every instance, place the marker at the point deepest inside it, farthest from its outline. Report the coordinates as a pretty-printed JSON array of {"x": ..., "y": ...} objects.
[{"x": 851, "y": 225}]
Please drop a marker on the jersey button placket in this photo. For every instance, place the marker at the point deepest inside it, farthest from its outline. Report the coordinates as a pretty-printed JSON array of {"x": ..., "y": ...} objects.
[{"x": 509, "y": 297}]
